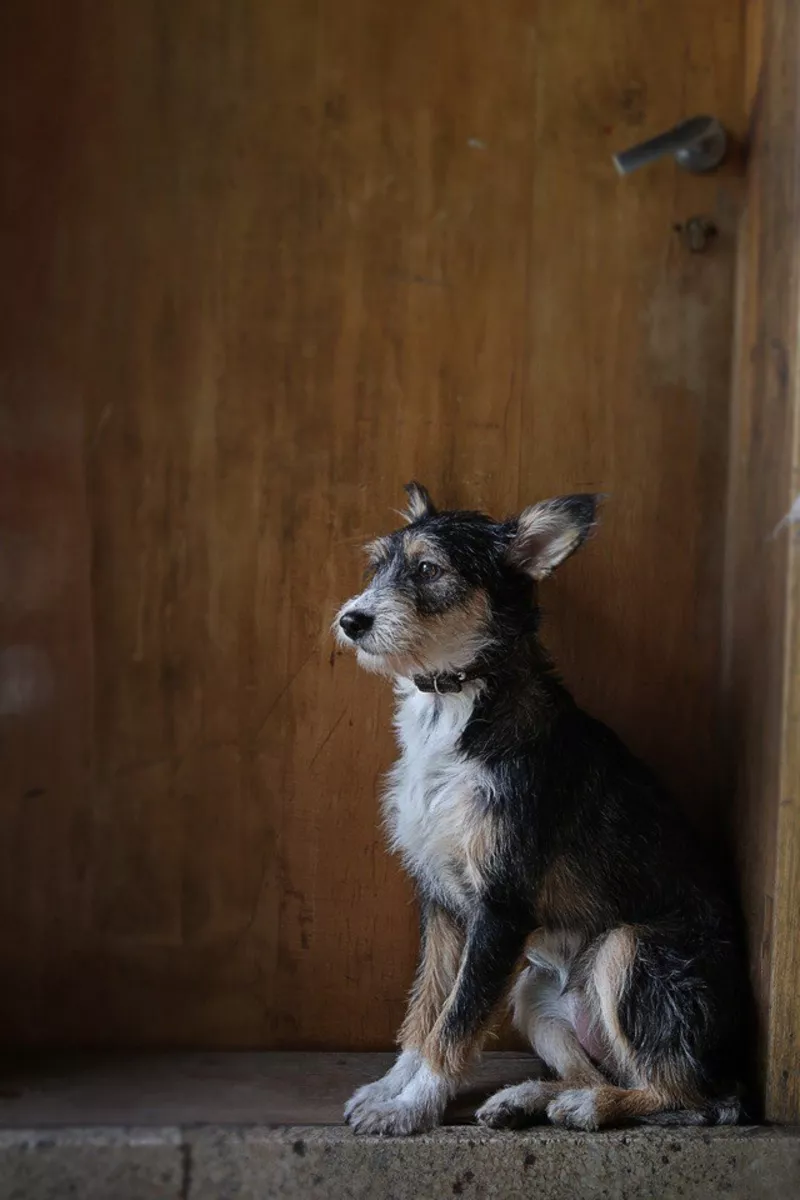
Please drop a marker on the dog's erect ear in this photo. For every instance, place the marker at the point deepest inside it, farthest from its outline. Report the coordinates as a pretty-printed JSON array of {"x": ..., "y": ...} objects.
[
  {"x": 542, "y": 536},
  {"x": 419, "y": 502}
]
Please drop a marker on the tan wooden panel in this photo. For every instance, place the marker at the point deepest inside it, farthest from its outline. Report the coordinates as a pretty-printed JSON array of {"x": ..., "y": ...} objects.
[
  {"x": 45, "y": 598},
  {"x": 763, "y": 571},
  {"x": 288, "y": 255}
]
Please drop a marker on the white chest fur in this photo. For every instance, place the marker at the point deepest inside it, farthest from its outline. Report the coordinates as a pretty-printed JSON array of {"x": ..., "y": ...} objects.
[{"x": 437, "y": 801}]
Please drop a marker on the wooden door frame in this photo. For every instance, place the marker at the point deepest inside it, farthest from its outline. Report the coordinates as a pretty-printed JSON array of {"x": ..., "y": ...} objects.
[{"x": 762, "y": 594}]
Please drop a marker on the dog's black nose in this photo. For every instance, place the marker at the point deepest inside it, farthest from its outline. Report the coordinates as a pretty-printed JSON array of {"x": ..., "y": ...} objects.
[{"x": 356, "y": 624}]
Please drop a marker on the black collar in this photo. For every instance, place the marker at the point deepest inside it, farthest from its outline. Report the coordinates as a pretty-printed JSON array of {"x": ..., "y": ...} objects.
[
  {"x": 446, "y": 683},
  {"x": 449, "y": 683}
]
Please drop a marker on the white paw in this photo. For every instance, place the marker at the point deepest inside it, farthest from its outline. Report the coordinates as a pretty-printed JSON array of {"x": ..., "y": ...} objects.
[
  {"x": 575, "y": 1108},
  {"x": 419, "y": 1106},
  {"x": 394, "y": 1118},
  {"x": 512, "y": 1107},
  {"x": 385, "y": 1088},
  {"x": 370, "y": 1096}
]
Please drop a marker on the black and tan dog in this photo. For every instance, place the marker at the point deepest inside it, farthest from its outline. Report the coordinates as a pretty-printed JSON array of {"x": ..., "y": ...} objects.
[{"x": 549, "y": 864}]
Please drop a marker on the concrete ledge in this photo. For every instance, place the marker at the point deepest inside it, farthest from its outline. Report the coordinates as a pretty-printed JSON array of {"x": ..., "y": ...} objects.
[
  {"x": 92, "y": 1164},
  {"x": 318, "y": 1163},
  {"x": 252, "y": 1126}
]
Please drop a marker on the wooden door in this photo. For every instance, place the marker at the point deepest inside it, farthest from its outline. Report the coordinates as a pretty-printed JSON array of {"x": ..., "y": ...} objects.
[{"x": 264, "y": 262}]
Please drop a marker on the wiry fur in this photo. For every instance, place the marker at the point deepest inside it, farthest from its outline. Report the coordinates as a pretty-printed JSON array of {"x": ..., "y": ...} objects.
[
  {"x": 543, "y": 852},
  {"x": 438, "y": 803}
]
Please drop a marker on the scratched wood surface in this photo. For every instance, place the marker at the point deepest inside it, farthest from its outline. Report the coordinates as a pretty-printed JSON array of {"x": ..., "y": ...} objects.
[
  {"x": 762, "y": 587},
  {"x": 267, "y": 261}
]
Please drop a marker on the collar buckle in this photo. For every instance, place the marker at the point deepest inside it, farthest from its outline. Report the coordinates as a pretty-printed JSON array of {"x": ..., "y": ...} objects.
[{"x": 443, "y": 683}]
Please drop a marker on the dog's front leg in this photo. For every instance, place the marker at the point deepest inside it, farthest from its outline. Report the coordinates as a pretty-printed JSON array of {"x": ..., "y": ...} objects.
[
  {"x": 493, "y": 946},
  {"x": 442, "y": 944}
]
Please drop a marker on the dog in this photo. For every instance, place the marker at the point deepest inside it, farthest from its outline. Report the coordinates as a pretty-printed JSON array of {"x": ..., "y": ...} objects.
[{"x": 551, "y": 869}]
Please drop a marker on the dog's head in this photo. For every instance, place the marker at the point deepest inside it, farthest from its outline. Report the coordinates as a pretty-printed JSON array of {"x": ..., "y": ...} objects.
[{"x": 450, "y": 586}]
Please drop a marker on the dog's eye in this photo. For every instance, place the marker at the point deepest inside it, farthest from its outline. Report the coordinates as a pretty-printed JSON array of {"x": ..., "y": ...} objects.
[{"x": 428, "y": 570}]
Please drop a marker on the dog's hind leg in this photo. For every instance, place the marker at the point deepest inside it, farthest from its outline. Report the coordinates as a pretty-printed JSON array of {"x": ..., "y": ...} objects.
[
  {"x": 545, "y": 1011},
  {"x": 656, "y": 1013}
]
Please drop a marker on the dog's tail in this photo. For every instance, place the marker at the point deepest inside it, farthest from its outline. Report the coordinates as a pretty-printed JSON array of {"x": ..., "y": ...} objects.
[{"x": 725, "y": 1110}]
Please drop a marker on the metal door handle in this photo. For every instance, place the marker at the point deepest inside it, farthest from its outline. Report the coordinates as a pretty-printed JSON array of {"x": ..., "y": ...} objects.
[{"x": 697, "y": 145}]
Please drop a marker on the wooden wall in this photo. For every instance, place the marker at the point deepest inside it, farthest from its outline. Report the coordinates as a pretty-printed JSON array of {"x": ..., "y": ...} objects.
[
  {"x": 762, "y": 659},
  {"x": 264, "y": 262}
]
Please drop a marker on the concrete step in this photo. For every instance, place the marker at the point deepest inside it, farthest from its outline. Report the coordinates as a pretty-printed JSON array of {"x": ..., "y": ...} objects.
[{"x": 250, "y": 1126}]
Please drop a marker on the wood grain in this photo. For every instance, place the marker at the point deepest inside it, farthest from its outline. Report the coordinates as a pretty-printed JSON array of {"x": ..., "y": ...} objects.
[
  {"x": 270, "y": 261},
  {"x": 277, "y": 1088},
  {"x": 762, "y": 662},
  {"x": 45, "y": 593}
]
